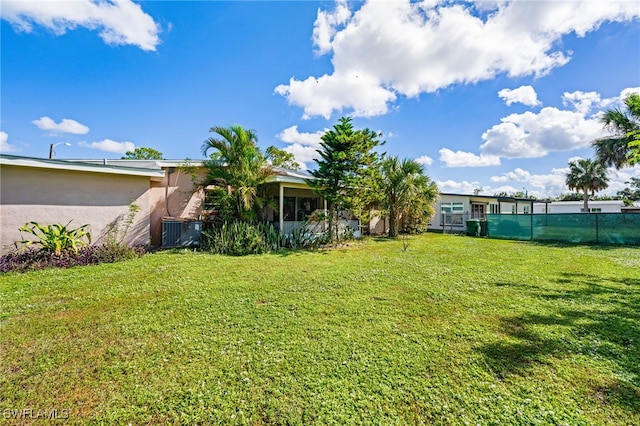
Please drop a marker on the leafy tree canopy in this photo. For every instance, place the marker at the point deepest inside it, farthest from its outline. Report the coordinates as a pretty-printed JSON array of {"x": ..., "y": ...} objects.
[
  {"x": 588, "y": 176},
  {"x": 143, "y": 153},
  {"x": 281, "y": 158},
  {"x": 408, "y": 194},
  {"x": 238, "y": 167},
  {"x": 623, "y": 146},
  {"x": 632, "y": 192}
]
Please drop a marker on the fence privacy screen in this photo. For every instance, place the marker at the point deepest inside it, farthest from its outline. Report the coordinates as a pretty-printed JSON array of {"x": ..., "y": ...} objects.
[{"x": 603, "y": 228}]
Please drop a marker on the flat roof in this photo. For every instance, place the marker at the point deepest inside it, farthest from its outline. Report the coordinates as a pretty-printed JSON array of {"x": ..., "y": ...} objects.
[
  {"x": 142, "y": 164},
  {"x": 493, "y": 197},
  {"x": 78, "y": 166}
]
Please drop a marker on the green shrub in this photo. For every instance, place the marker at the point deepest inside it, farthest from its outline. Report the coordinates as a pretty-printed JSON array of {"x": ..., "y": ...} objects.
[
  {"x": 33, "y": 259},
  {"x": 56, "y": 238},
  {"x": 242, "y": 238}
]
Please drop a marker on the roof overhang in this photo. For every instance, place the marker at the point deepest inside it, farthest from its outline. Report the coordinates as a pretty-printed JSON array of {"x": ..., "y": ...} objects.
[{"x": 76, "y": 166}]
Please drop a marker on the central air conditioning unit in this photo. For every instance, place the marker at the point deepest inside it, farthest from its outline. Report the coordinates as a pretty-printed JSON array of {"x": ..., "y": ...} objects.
[{"x": 181, "y": 233}]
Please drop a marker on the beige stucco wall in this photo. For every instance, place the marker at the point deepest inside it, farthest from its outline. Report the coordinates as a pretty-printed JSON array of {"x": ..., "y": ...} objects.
[
  {"x": 378, "y": 225},
  {"x": 174, "y": 197},
  {"x": 57, "y": 196}
]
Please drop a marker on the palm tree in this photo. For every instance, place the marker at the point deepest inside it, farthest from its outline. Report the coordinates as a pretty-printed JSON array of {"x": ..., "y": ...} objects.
[
  {"x": 614, "y": 150},
  {"x": 588, "y": 176},
  {"x": 408, "y": 193},
  {"x": 237, "y": 164}
]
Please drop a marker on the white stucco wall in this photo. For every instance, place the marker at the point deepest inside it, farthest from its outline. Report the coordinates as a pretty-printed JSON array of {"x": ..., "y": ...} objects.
[
  {"x": 607, "y": 206},
  {"x": 50, "y": 196}
]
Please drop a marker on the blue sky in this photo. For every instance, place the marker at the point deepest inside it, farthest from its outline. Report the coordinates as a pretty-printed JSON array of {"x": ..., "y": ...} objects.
[{"x": 497, "y": 95}]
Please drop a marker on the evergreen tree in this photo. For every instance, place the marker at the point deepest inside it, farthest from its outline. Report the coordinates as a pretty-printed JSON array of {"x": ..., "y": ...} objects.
[{"x": 347, "y": 172}]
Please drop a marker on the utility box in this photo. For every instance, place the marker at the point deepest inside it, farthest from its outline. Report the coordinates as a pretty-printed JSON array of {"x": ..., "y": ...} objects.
[{"x": 181, "y": 233}]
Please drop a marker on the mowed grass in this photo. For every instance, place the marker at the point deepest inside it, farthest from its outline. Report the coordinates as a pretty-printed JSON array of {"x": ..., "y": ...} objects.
[{"x": 455, "y": 330}]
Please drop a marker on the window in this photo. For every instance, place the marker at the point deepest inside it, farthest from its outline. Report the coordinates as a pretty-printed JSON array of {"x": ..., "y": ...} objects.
[
  {"x": 452, "y": 213},
  {"x": 526, "y": 209},
  {"x": 494, "y": 208},
  {"x": 289, "y": 209},
  {"x": 477, "y": 211}
]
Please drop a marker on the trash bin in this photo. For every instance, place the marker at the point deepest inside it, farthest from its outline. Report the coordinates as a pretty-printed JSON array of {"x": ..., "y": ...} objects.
[
  {"x": 473, "y": 227},
  {"x": 484, "y": 228}
]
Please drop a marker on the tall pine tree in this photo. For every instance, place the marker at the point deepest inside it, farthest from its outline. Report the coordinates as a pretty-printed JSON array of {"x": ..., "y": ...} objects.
[{"x": 347, "y": 172}]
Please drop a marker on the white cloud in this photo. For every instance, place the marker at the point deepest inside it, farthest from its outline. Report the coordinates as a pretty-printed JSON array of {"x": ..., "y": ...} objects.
[
  {"x": 582, "y": 102},
  {"x": 5, "y": 146},
  {"x": 524, "y": 94},
  {"x": 324, "y": 29},
  {"x": 303, "y": 146},
  {"x": 617, "y": 178},
  {"x": 530, "y": 135},
  {"x": 120, "y": 22},
  {"x": 360, "y": 91},
  {"x": 517, "y": 174},
  {"x": 552, "y": 183},
  {"x": 109, "y": 145},
  {"x": 65, "y": 126},
  {"x": 425, "y": 160},
  {"x": 390, "y": 48},
  {"x": 452, "y": 186},
  {"x": 292, "y": 135},
  {"x": 303, "y": 154},
  {"x": 626, "y": 92},
  {"x": 467, "y": 159},
  {"x": 618, "y": 101}
]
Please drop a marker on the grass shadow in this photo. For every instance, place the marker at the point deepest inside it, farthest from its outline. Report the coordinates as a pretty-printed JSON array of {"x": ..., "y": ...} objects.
[{"x": 592, "y": 318}]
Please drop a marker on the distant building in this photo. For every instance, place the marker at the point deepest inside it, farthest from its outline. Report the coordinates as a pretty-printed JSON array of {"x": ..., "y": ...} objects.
[
  {"x": 453, "y": 210},
  {"x": 608, "y": 206}
]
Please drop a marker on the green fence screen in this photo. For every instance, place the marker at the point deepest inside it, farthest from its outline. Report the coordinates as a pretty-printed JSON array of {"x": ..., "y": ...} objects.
[{"x": 603, "y": 228}]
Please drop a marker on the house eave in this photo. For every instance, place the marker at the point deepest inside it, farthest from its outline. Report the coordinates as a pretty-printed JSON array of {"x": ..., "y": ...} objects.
[{"x": 43, "y": 163}]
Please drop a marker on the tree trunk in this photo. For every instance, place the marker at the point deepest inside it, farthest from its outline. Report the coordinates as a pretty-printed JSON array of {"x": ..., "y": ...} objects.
[
  {"x": 336, "y": 223},
  {"x": 392, "y": 223},
  {"x": 586, "y": 201}
]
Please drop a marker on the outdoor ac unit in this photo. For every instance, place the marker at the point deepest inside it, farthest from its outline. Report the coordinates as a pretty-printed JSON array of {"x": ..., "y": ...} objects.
[{"x": 181, "y": 233}]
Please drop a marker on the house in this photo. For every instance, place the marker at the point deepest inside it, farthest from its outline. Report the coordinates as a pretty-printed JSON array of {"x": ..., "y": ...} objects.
[
  {"x": 453, "y": 210},
  {"x": 54, "y": 191},
  {"x": 608, "y": 206},
  {"x": 101, "y": 192},
  {"x": 174, "y": 197}
]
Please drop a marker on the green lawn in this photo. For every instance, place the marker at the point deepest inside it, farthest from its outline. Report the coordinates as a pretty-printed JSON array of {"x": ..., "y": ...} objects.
[{"x": 455, "y": 330}]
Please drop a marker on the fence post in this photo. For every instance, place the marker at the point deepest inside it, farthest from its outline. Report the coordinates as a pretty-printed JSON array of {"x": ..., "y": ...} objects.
[{"x": 531, "y": 227}]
